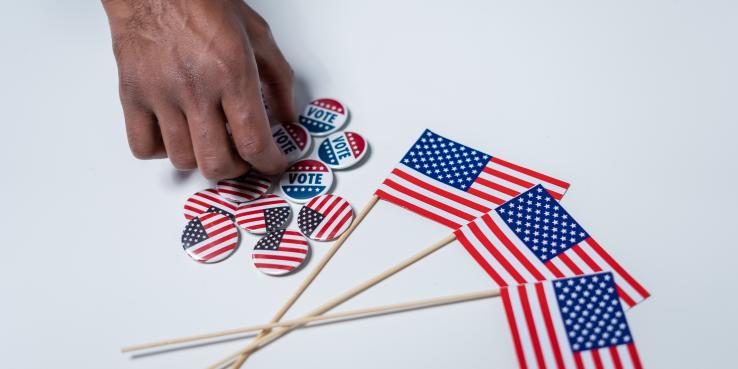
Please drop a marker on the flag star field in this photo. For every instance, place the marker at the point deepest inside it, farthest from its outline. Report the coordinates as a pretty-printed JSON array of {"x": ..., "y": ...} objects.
[
  {"x": 446, "y": 161},
  {"x": 544, "y": 226},
  {"x": 591, "y": 311}
]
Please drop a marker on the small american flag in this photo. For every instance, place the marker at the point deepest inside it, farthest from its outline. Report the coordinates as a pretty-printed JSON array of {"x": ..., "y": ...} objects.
[
  {"x": 210, "y": 237},
  {"x": 572, "y": 323},
  {"x": 532, "y": 238},
  {"x": 280, "y": 252},
  {"x": 453, "y": 184}
]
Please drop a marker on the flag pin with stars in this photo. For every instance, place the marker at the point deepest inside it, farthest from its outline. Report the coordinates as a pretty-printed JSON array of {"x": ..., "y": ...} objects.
[
  {"x": 280, "y": 252},
  {"x": 325, "y": 217},
  {"x": 292, "y": 139},
  {"x": 343, "y": 150},
  {"x": 264, "y": 215},
  {"x": 306, "y": 179},
  {"x": 324, "y": 116},
  {"x": 210, "y": 237}
]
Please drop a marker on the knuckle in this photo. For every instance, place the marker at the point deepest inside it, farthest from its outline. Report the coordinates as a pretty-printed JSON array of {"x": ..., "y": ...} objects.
[
  {"x": 129, "y": 87},
  {"x": 278, "y": 72},
  {"x": 213, "y": 169},
  {"x": 189, "y": 82},
  {"x": 223, "y": 67},
  {"x": 143, "y": 150},
  {"x": 183, "y": 161},
  {"x": 196, "y": 113},
  {"x": 251, "y": 146},
  {"x": 242, "y": 116},
  {"x": 128, "y": 80},
  {"x": 260, "y": 25}
]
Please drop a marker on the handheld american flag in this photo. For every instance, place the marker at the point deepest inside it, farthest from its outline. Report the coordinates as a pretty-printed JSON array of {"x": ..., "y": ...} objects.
[
  {"x": 453, "y": 184},
  {"x": 532, "y": 238},
  {"x": 570, "y": 323}
]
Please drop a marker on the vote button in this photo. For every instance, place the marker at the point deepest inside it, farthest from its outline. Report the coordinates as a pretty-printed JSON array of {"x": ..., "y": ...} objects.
[
  {"x": 306, "y": 179},
  {"x": 292, "y": 139},
  {"x": 324, "y": 116},
  {"x": 342, "y": 150}
]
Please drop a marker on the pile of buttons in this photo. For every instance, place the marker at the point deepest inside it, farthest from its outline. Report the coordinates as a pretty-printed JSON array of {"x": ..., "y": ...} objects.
[{"x": 215, "y": 215}]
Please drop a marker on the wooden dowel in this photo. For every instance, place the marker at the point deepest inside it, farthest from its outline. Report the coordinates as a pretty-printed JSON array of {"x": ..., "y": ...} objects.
[
  {"x": 310, "y": 278},
  {"x": 266, "y": 339},
  {"x": 365, "y": 312}
]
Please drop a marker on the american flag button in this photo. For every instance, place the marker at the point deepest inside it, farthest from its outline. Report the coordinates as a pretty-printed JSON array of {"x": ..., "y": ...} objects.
[
  {"x": 306, "y": 179},
  {"x": 207, "y": 201},
  {"x": 342, "y": 150},
  {"x": 292, "y": 139},
  {"x": 267, "y": 214},
  {"x": 280, "y": 252},
  {"x": 247, "y": 187},
  {"x": 324, "y": 116},
  {"x": 325, "y": 217},
  {"x": 209, "y": 238}
]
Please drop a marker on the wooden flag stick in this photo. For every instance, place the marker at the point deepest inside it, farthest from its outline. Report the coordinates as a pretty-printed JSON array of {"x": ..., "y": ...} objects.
[
  {"x": 259, "y": 342},
  {"x": 351, "y": 314},
  {"x": 310, "y": 278}
]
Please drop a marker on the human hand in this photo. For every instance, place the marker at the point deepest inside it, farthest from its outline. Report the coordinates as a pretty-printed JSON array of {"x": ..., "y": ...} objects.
[{"x": 185, "y": 68}]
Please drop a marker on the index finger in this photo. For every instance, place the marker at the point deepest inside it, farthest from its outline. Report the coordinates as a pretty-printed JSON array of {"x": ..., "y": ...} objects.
[{"x": 250, "y": 129}]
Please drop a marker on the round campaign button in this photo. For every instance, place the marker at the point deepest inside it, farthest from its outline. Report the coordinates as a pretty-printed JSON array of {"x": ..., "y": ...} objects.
[
  {"x": 306, "y": 179},
  {"x": 247, "y": 187},
  {"x": 324, "y": 116},
  {"x": 292, "y": 139},
  {"x": 325, "y": 217},
  {"x": 209, "y": 238},
  {"x": 208, "y": 201},
  {"x": 264, "y": 215},
  {"x": 343, "y": 149},
  {"x": 280, "y": 252}
]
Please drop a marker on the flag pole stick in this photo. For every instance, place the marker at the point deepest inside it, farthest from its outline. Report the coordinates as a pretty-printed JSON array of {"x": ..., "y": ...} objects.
[
  {"x": 266, "y": 339},
  {"x": 310, "y": 278},
  {"x": 351, "y": 314}
]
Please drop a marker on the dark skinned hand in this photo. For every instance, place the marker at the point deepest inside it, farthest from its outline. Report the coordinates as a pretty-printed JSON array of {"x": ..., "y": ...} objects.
[{"x": 186, "y": 67}]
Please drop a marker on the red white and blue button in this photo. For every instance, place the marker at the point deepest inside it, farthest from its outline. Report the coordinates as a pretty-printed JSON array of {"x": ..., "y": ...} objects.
[
  {"x": 342, "y": 150},
  {"x": 306, "y": 179},
  {"x": 280, "y": 252},
  {"x": 208, "y": 201},
  {"x": 209, "y": 238},
  {"x": 325, "y": 217},
  {"x": 292, "y": 139},
  {"x": 247, "y": 187},
  {"x": 264, "y": 215},
  {"x": 324, "y": 116}
]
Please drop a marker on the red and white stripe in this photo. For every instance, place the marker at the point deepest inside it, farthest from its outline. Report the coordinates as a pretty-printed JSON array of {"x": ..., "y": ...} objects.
[
  {"x": 498, "y": 182},
  {"x": 250, "y": 215},
  {"x": 540, "y": 338},
  {"x": 203, "y": 200},
  {"x": 221, "y": 242},
  {"x": 291, "y": 253},
  {"x": 247, "y": 187},
  {"x": 508, "y": 261},
  {"x": 338, "y": 215}
]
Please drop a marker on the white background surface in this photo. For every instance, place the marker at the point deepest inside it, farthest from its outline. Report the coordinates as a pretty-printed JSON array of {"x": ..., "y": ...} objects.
[{"x": 633, "y": 102}]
